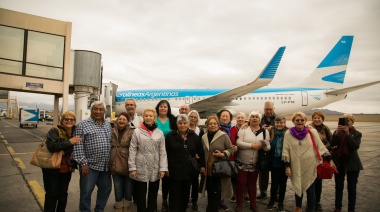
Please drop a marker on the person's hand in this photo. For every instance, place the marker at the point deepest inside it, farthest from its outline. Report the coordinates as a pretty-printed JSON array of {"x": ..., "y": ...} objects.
[
  {"x": 235, "y": 148},
  {"x": 244, "y": 126},
  {"x": 343, "y": 128},
  {"x": 332, "y": 164},
  {"x": 269, "y": 127},
  {"x": 203, "y": 171},
  {"x": 218, "y": 154},
  {"x": 196, "y": 156},
  {"x": 161, "y": 175},
  {"x": 133, "y": 174},
  {"x": 263, "y": 144},
  {"x": 75, "y": 140},
  {"x": 288, "y": 171},
  {"x": 85, "y": 170},
  {"x": 167, "y": 174}
]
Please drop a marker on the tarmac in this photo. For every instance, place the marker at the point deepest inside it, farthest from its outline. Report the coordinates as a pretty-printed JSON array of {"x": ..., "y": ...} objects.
[{"x": 21, "y": 184}]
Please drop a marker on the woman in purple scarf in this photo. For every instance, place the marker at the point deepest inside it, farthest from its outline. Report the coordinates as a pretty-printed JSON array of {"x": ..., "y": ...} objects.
[{"x": 301, "y": 160}]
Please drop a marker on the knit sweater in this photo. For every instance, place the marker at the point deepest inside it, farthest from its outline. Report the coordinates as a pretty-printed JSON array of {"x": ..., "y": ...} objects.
[{"x": 303, "y": 159}]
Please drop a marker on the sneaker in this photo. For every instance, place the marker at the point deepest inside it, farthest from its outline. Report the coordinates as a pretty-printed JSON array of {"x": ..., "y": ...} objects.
[
  {"x": 261, "y": 196},
  {"x": 270, "y": 206},
  {"x": 194, "y": 207},
  {"x": 318, "y": 207},
  {"x": 246, "y": 199},
  {"x": 233, "y": 199},
  {"x": 281, "y": 208},
  {"x": 223, "y": 207}
]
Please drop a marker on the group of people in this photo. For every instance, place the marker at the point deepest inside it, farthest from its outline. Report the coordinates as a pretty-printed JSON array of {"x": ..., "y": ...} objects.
[{"x": 157, "y": 146}]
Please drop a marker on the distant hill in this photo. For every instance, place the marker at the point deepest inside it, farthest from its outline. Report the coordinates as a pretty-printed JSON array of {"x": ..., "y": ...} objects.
[
  {"x": 41, "y": 106},
  {"x": 325, "y": 111}
]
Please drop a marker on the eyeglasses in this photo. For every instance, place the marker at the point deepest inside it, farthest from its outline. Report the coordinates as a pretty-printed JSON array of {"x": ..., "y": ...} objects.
[
  {"x": 69, "y": 120},
  {"x": 299, "y": 120},
  {"x": 193, "y": 117}
]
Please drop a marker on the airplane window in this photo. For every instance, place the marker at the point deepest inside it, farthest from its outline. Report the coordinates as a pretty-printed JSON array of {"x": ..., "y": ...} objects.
[
  {"x": 249, "y": 98},
  {"x": 281, "y": 97},
  {"x": 265, "y": 98},
  {"x": 269, "y": 98},
  {"x": 253, "y": 98},
  {"x": 277, "y": 98},
  {"x": 244, "y": 98},
  {"x": 286, "y": 97},
  {"x": 261, "y": 98},
  {"x": 289, "y": 97},
  {"x": 240, "y": 98}
]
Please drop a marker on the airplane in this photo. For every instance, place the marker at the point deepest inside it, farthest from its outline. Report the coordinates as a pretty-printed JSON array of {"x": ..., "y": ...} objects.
[{"x": 322, "y": 87}]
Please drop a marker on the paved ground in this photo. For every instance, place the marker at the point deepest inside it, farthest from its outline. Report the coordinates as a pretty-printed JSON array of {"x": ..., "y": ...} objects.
[{"x": 21, "y": 185}]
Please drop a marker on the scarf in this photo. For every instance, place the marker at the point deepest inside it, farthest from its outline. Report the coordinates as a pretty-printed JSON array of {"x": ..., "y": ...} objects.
[
  {"x": 226, "y": 128},
  {"x": 210, "y": 136},
  {"x": 150, "y": 127},
  {"x": 300, "y": 135},
  {"x": 343, "y": 150},
  {"x": 278, "y": 141}
]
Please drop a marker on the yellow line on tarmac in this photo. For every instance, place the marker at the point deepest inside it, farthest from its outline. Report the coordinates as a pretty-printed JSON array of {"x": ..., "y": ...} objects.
[
  {"x": 38, "y": 192},
  {"x": 1, "y": 136},
  {"x": 5, "y": 142},
  {"x": 20, "y": 163},
  {"x": 10, "y": 149}
]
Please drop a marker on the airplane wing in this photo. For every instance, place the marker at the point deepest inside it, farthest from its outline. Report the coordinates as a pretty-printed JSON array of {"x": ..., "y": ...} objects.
[
  {"x": 350, "y": 89},
  {"x": 265, "y": 77}
]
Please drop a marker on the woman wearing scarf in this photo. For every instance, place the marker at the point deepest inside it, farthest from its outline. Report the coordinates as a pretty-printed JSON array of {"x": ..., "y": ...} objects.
[
  {"x": 301, "y": 160},
  {"x": 346, "y": 142},
  {"x": 180, "y": 145},
  {"x": 216, "y": 146},
  {"x": 147, "y": 160},
  {"x": 325, "y": 135},
  {"x": 225, "y": 117},
  {"x": 278, "y": 176}
]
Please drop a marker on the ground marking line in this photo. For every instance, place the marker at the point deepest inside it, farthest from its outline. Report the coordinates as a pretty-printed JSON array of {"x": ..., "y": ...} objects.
[
  {"x": 25, "y": 130},
  {"x": 20, "y": 163},
  {"x": 39, "y": 193}
]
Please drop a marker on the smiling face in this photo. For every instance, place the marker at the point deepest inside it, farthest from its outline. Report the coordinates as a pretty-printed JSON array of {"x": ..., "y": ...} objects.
[
  {"x": 97, "y": 112},
  {"x": 254, "y": 120},
  {"x": 193, "y": 118},
  {"x": 269, "y": 110},
  {"x": 163, "y": 109},
  {"x": 212, "y": 125},
  {"x": 122, "y": 122},
  {"x": 184, "y": 109},
  {"x": 68, "y": 122},
  {"x": 149, "y": 117},
  {"x": 240, "y": 119},
  {"x": 130, "y": 106},
  {"x": 299, "y": 122},
  {"x": 225, "y": 117},
  {"x": 317, "y": 120},
  {"x": 183, "y": 126},
  {"x": 280, "y": 125}
]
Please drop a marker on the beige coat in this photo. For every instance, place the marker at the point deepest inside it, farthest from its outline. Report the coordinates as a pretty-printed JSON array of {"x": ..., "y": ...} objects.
[
  {"x": 123, "y": 145},
  {"x": 220, "y": 142}
]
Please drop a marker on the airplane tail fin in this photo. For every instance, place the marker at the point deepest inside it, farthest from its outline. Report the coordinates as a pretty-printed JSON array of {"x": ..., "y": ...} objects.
[
  {"x": 270, "y": 69},
  {"x": 331, "y": 72}
]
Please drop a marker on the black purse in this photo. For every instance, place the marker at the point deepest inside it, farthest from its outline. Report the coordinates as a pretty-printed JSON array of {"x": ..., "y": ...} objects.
[
  {"x": 224, "y": 168},
  {"x": 194, "y": 166},
  {"x": 264, "y": 160}
]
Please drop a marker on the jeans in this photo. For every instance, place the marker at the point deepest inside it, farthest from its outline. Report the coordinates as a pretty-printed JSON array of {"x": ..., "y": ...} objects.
[
  {"x": 246, "y": 180},
  {"x": 352, "y": 180},
  {"x": 123, "y": 187},
  {"x": 56, "y": 185},
  {"x": 279, "y": 179},
  {"x": 141, "y": 188},
  {"x": 310, "y": 198},
  {"x": 102, "y": 179}
]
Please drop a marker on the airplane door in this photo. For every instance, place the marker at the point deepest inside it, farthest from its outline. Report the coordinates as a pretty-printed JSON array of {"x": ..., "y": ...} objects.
[
  {"x": 188, "y": 100},
  {"x": 304, "y": 98}
]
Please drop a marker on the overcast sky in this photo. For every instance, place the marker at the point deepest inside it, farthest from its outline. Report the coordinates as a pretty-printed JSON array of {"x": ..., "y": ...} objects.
[{"x": 219, "y": 43}]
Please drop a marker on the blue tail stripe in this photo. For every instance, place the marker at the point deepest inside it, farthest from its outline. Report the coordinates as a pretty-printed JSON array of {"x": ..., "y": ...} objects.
[
  {"x": 271, "y": 68},
  {"x": 336, "y": 78},
  {"x": 340, "y": 54}
]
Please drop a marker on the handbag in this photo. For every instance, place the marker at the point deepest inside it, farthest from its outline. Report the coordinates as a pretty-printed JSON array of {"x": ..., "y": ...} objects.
[
  {"x": 224, "y": 168},
  {"x": 43, "y": 158},
  {"x": 194, "y": 166},
  {"x": 119, "y": 163},
  {"x": 264, "y": 160},
  {"x": 324, "y": 170}
]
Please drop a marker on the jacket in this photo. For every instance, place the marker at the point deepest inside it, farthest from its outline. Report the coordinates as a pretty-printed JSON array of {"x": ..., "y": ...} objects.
[
  {"x": 178, "y": 160},
  {"x": 123, "y": 144},
  {"x": 352, "y": 162},
  {"x": 147, "y": 154}
]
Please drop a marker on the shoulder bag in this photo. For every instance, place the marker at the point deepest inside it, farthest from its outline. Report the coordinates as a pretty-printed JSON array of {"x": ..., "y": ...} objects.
[
  {"x": 264, "y": 158},
  {"x": 324, "y": 170},
  {"x": 224, "y": 168},
  {"x": 194, "y": 166},
  {"x": 43, "y": 158}
]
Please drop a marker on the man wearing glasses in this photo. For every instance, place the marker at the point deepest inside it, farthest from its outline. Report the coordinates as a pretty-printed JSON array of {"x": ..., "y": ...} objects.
[{"x": 92, "y": 155}]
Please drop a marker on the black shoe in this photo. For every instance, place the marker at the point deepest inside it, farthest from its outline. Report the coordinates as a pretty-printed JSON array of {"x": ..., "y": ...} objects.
[
  {"x": 318, "y": 207},
  {"x": 261, "y": 196},
  {"x": 281, "y": 208},
  {"x": 270, "y": 205},
  {"x": 194, "y": 207}
]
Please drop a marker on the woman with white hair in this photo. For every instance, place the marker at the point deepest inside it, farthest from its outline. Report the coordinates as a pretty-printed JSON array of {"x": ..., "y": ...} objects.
[
  {"x": 249, "y": 141},
  {"x": 346, "y": 142},
  {"x": 301, "y": 160},
  {"x": 180, "y": 145}
]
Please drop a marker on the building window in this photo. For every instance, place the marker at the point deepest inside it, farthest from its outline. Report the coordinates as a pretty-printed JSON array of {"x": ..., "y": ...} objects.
[{"x": 11, "y": 50}]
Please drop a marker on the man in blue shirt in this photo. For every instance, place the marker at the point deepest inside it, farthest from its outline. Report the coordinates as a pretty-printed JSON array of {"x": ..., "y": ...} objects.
[{"x": 92, "y": 155}]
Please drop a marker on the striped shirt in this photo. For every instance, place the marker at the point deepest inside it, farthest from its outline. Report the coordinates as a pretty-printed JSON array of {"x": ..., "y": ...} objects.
[{"x": 94, "y": 149}]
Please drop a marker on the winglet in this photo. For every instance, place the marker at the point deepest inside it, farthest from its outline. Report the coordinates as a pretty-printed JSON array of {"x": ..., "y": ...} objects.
[{"x": 271, "y": 68}]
